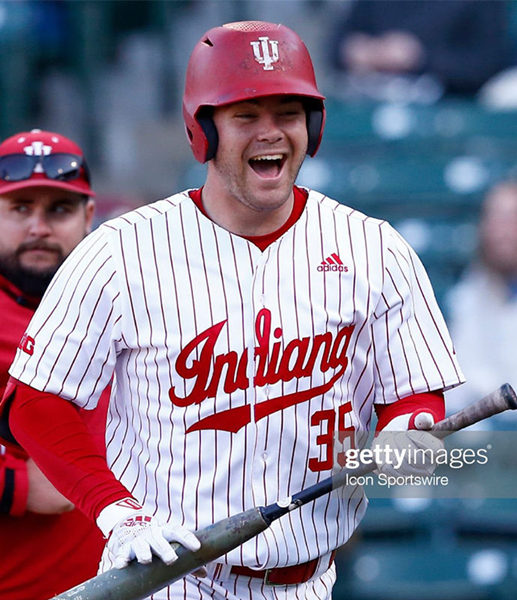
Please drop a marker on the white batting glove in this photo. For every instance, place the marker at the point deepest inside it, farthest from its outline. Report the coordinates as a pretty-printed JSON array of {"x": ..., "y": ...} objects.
[
  {"x": 139, "y": 535},
  {"x": 399, "y": 451}
]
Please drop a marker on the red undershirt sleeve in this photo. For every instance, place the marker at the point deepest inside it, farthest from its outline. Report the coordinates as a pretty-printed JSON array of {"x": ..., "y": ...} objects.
[
  {"x": 54, "y": 435},
  {"x": 432, "y": 402}
]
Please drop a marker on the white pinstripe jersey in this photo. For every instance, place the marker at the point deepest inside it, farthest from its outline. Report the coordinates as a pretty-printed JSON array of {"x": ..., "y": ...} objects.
[{"x": 235, "y": 367}]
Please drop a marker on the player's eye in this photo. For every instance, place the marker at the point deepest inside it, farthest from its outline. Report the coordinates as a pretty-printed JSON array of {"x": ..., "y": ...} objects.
[
  {"x": 245, "y": 115},
  {"x": 63, "y": 208},
  {"x": 294, "y": 110},
  {"x": 21, "y": 209},
  {"x": 291, "y": 115}
]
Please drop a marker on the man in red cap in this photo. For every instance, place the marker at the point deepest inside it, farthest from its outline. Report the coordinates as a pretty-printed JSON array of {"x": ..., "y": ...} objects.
[{"x": 46, "y": 209}]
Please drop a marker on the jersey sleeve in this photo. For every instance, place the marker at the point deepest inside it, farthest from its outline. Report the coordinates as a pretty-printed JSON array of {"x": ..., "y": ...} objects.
[
  {"x": 412, "y": 346},
  {"x": 70, "y": 345}
]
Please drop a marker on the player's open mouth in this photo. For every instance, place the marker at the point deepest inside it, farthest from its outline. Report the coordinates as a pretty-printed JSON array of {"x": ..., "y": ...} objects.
[{"x": 267, "y": 165}]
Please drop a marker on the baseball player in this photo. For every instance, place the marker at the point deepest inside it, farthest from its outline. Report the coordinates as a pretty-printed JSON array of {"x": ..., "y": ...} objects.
[
  {"x": 250, "y": 325},
  {"x": 46, "y": 209}
]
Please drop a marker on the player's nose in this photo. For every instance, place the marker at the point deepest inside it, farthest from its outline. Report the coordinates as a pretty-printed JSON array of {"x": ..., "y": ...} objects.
[
  {"x": 39, "y": 225},
  {"x": 269, "y": 129}
]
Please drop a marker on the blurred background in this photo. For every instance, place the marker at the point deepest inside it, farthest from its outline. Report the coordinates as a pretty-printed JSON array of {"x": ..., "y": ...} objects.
[{"x": 421, "y": 131}]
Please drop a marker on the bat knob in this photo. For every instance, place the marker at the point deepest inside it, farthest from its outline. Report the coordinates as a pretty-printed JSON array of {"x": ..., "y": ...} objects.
[
  {"x": 509, "y": 395},
  {"x": 423, "y": 421}
]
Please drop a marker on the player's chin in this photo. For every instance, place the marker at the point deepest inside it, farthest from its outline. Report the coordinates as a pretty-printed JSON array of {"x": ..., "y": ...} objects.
[{"x": 265, "y": 201}]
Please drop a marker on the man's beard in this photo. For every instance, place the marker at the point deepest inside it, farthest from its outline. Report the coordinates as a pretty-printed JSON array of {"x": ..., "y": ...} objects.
[{"x": 30, "y": 281}]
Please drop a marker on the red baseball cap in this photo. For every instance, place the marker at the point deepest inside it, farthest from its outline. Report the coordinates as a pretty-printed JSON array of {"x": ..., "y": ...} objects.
[{"x": 57, "y": 162}]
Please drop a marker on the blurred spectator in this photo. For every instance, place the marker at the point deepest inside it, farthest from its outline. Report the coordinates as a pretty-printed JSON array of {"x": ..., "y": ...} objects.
[
  {"x": 482, "y": 307},
  {"x": 46, "y": 209},
  {"x": 421, "y": 49}
]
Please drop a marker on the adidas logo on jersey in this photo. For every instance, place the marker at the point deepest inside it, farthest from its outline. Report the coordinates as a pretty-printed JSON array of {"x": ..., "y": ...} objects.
[{"x": 333, "y": 263}]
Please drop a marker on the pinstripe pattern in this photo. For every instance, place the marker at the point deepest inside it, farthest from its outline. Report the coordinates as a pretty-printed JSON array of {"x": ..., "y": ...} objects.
[
  {"x": 178, "y": 308},
  {"x": 244, "y": 588}
]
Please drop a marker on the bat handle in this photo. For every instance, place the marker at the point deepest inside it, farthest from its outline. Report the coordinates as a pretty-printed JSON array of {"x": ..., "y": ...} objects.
[{"x": 502, "y": 399}]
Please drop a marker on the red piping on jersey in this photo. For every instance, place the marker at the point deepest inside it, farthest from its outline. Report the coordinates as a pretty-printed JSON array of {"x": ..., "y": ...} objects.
[
  {"x": 432, "y": 402},
  {"x": 263, "y": 241}
]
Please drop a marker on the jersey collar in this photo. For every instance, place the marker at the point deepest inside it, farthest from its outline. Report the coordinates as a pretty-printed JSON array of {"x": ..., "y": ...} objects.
[{"x": 263, "y": 241}]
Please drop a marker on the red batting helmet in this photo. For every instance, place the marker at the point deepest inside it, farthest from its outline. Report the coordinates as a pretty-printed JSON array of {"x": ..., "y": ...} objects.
[
  {"x": 42, "y": 159},
  {"x": 243, "y": 60}
]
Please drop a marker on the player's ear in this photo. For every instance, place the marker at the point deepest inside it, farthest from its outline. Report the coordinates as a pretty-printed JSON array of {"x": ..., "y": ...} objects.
[{"x": 89, "y": 211}]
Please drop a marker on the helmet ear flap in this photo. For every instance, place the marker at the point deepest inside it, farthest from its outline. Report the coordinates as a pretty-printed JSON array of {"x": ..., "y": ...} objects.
[
  {"x": 315, "y": 118},
  {"x": 205, "y": 120}
]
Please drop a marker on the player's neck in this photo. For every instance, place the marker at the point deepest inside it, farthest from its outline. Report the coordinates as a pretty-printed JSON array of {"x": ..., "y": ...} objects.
[{"x": 242, "y": 216}]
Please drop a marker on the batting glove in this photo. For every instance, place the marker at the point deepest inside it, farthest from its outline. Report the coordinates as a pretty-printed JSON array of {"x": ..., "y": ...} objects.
[
  {"x": 139, "y": 535},
  {"x": 411, "y": 452}
]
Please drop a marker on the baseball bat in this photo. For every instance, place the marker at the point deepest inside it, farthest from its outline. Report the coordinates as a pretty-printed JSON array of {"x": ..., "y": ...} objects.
[{"x": 137, "y": 581}]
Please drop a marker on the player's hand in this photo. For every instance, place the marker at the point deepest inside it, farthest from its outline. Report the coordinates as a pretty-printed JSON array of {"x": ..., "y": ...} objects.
[
  {"x": 408, "y": 452},
  {"x": 140, "y": 536}
]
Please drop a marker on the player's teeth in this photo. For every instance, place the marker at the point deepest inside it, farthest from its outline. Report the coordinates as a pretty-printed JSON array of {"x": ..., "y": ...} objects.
[{"x": 268, "y": 157}]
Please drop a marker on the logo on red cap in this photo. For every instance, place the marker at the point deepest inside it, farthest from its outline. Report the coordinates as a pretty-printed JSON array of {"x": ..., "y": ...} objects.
[{"x": 37, "y": 149}]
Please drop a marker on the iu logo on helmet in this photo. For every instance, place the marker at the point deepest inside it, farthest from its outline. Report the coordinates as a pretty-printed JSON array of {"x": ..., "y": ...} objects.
[{"x": 265, "y": 52}]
